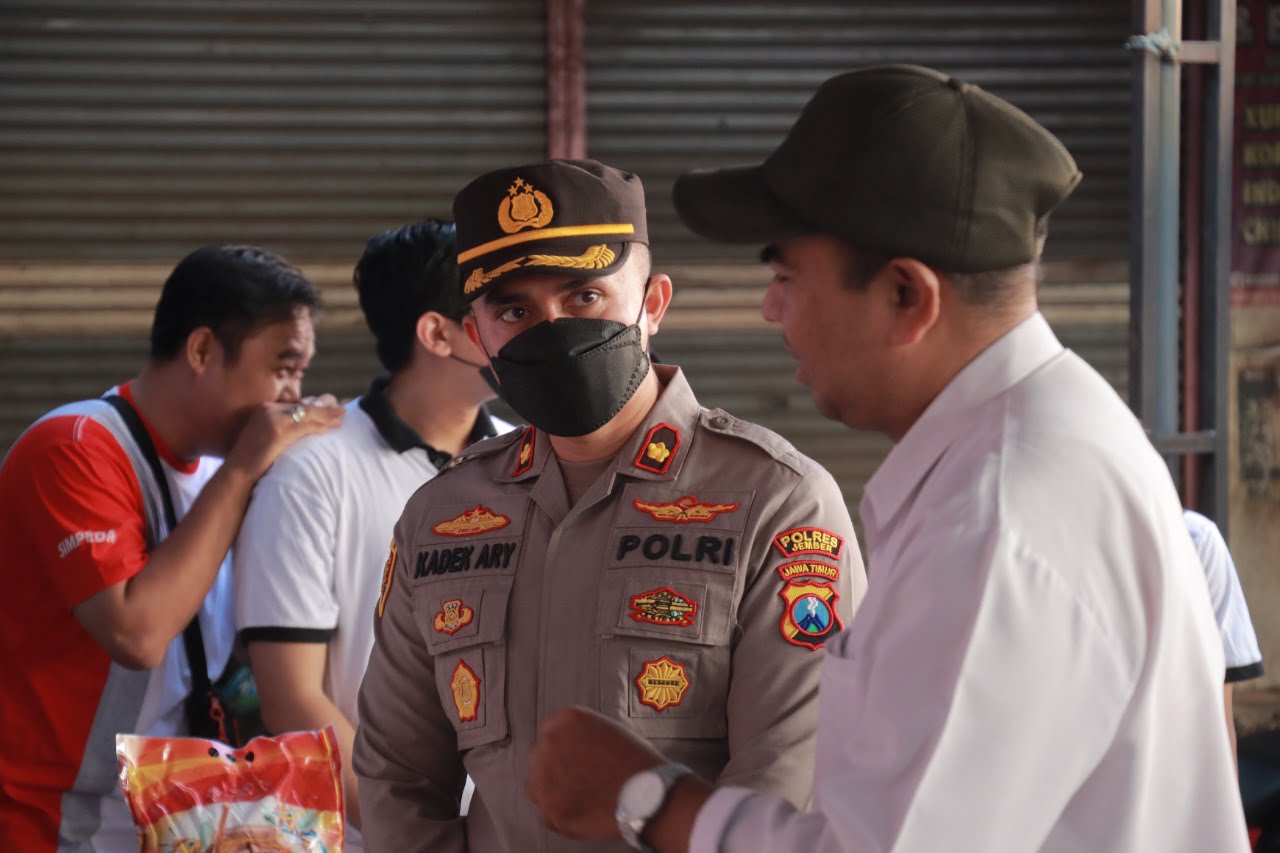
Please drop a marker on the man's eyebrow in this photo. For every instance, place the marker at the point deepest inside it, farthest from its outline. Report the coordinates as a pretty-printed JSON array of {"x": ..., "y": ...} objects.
[{"x": 290, "y": 354}]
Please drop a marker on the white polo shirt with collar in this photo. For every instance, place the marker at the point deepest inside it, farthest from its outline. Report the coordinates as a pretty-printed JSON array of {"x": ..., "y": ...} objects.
[
  {"x": 309, "y": 558},
  {"x": 1239, "y": 642},
  {"x": 1035, "y": 666}
]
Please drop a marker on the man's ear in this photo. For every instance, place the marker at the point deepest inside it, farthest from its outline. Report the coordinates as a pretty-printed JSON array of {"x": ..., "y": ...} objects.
[
  {"x": 201, "y": 350},
  {"x": 656, "y": 302},
  {"x": 915, "y": 291},
  {"x": 431, "y": 334}
]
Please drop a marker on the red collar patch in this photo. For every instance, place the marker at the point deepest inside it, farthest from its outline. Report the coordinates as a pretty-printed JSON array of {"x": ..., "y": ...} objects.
[
  {"x": 525, "y": 460},
  {"x": 658, "y": 450}
]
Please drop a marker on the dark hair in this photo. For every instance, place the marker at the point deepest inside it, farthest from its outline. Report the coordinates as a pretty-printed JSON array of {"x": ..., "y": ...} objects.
[
  {"x": 232, "y": 290},
  {"x": 986, "y": 289},
  {"x": 403, "y": 274}
]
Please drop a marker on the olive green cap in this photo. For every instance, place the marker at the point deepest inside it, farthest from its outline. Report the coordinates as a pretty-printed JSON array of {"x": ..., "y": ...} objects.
[{"x": 898, "y": 159}]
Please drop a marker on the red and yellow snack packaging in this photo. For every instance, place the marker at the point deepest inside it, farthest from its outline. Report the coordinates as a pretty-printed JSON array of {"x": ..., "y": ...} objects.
[{"x": 275, "y": 794}]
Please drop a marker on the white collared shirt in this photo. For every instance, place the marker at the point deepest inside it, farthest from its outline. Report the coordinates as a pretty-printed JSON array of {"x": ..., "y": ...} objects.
[
  {"x": 1239, "y": 642},
  {"x": 1035, "y": 666}
]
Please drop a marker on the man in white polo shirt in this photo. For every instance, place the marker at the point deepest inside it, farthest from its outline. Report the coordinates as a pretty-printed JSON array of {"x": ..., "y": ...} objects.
[
  {"x": 1239, "y": 642},
  {"x": 309, "y": 559}
]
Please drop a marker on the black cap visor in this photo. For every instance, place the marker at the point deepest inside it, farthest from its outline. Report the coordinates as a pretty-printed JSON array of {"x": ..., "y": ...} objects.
[{"x": 735, "y": 205}]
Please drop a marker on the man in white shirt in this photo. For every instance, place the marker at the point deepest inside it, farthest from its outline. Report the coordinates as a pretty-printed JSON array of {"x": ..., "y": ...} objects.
[
  {"x": 309, "y": 558},
  {"x": 1035, "y": 666},
  {"x": 1239, "y": 642}
]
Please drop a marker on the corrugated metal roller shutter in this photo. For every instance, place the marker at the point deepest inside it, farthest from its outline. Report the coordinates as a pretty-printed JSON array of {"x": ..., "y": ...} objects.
[
  {"x": 135, "y": 130},
  {"x": 673, "y": 85}
]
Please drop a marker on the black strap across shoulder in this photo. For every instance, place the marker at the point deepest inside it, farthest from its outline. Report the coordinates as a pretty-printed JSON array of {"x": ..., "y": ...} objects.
[{"x": 192, "y": 639}]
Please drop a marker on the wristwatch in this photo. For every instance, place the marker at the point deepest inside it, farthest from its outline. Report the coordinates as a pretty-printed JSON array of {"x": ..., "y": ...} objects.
[{"x": 641, "y": 798}]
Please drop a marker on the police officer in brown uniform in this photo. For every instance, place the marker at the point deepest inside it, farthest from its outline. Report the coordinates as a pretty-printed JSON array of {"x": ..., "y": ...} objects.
[{"x": 671, "y": 566}]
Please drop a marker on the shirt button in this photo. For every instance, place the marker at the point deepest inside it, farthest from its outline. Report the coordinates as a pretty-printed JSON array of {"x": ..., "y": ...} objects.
[{"x": 720, "y": 421}]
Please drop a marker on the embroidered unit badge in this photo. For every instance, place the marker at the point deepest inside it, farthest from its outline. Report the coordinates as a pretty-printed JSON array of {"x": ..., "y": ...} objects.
[
  {"x": 808, "y": 540},
  {"x": 684, "y": 511},
  {"x": 788, "y": 571},
  {"x": 388, "y": 571},
  {"x": 465, "y": 685},
  {"x": 658, "y": 450},
  {"x": 662, "y": 683},
  {"x": 471, "y": 522},
  {"x": 453, "y": 617},
  {"x": 663, "y": 606},
  {"x": 809, "y": 615}
]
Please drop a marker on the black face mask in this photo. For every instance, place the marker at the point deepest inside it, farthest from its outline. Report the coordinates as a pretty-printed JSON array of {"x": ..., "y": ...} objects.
[{"x": 571, "y": 376}]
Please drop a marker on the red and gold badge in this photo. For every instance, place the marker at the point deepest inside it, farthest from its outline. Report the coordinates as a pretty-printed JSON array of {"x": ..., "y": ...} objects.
[
  {"x": 686, "y": 510},
  {"x": 388, "y": 572},
  {"x": 663, "y": 606},
  {"x": 808, "y": 540},
  {"x": 465, "y": 685},
  {"x": 809, "y": 616},
  {"x": 472, "y": 522},
  {"x": 524, "y": 460},
  {"x": 662, "y": 683},
  {"x": 658, "y": 450},
  {"x": 453, "y": 616}
]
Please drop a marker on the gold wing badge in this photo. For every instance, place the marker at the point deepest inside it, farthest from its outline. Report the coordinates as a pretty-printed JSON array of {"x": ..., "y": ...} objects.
[{"x": 684, "y": 511}]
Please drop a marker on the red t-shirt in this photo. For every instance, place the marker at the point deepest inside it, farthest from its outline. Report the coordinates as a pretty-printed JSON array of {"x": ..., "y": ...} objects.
[{"x": 71, "y": 524}]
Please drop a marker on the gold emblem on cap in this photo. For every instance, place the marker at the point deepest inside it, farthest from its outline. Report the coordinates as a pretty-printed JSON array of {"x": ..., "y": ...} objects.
[{"x": 524, "y": 207}]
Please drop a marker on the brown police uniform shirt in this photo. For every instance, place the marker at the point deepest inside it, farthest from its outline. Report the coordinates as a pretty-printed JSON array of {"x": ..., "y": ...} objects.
[{"x": 683, "y": 595}]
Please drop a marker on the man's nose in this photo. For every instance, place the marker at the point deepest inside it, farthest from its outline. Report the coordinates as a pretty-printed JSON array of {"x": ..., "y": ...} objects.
[
  {"x": 292, "y": 391},
  {"x": 769, "y": 307}
]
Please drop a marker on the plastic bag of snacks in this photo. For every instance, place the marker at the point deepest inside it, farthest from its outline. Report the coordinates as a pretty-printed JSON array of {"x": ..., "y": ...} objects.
[{"x": 276, "y": 794}]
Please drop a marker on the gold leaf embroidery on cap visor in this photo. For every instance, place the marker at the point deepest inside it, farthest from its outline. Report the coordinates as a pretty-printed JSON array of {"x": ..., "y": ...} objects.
[{"x": 594, "y": 258}]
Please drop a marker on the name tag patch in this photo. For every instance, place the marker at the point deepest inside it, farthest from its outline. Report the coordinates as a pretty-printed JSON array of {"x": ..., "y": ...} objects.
[
  {"x": 808, "y": 540},
  {"x": 464, "y": 558},
  {"x": 716, "y": 550}
]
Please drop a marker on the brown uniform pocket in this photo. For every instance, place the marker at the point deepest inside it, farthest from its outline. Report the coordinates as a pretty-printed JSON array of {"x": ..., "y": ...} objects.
[
  {"x": 463, "y": 621},
  {"x": 664, "y": 650}
]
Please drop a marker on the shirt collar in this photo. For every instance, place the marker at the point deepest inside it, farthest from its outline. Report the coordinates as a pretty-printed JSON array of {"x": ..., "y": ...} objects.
[
  {"x": 401, "y": 437},
  {"x": 1006, "y": 362},
  {"x": 670, "y": 423}
]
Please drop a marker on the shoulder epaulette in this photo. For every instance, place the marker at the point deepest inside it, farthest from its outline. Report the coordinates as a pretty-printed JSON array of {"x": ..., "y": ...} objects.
[{"x": 723, "y": 423}]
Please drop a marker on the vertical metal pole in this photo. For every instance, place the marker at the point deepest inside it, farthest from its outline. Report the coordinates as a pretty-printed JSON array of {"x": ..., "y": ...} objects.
[
  {"x": 1165, "y": 421},
  {"x": 1153, "y": 318},
  {"x": 1215, "y": 310}
]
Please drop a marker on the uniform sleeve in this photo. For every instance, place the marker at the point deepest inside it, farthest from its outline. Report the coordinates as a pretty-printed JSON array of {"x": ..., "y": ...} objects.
[
  {"x": 284, "y": 555},
  {"x": 910, "y": 709},
  {"x": 784, "y": 618},
  {"x": 1239, "y": 642},
  {"x": 406, "y": 753},
  {"x": 83, "y": 506}
]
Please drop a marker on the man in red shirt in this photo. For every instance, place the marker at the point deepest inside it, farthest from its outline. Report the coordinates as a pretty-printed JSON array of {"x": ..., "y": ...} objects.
[{"x": 98, "y": 590}]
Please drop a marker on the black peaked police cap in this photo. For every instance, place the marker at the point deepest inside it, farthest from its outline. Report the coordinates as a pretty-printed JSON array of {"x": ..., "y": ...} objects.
[
  {"x": 571, "y": 217},
  {"x": 898, "y": 159}
]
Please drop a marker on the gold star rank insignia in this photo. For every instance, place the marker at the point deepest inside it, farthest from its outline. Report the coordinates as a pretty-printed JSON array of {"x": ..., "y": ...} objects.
[{"x": 662, "y": 684}]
